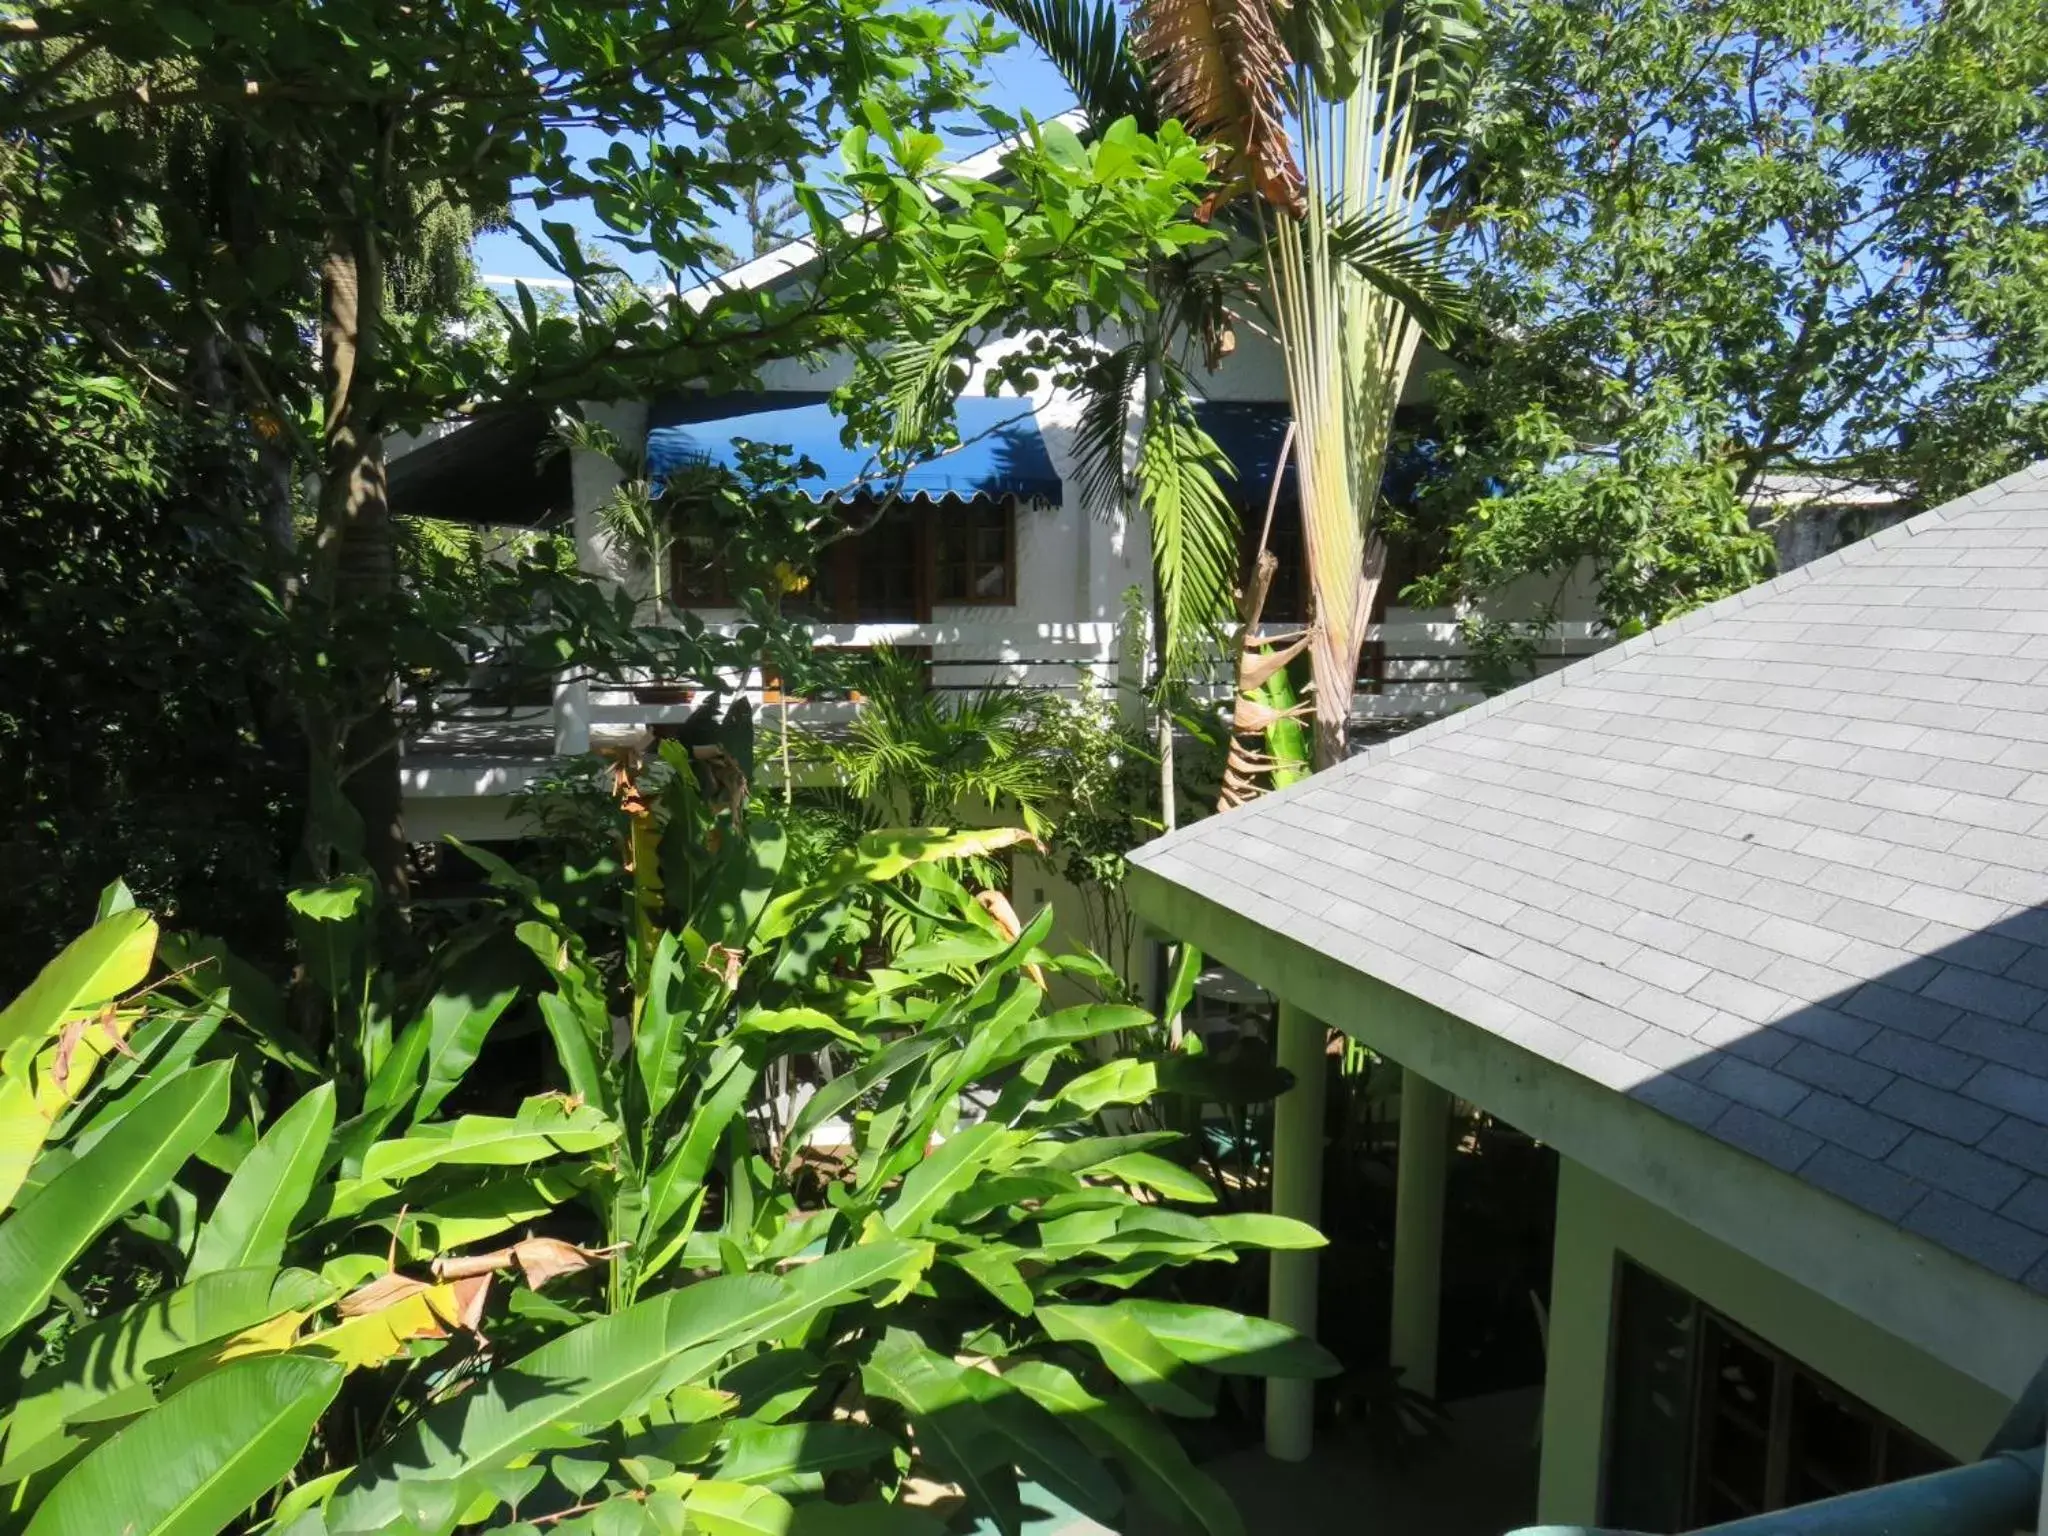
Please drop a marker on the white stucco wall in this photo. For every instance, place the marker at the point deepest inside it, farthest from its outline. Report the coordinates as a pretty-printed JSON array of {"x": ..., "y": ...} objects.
[
  {"x": 1075, "y": 563},
  {"x": 1598, "y": 1223},
  {"x": 1073, "y": 567}
]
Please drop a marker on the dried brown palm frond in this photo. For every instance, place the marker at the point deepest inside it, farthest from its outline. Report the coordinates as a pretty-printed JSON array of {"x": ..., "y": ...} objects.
[{"x": 1221, "y": 68}]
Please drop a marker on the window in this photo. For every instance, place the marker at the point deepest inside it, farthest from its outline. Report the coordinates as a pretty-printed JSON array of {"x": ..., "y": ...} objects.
[
  {"x": 697, "y": 575},
  {"x": 1709, "y": 1423},
  {"x": 875, "y": 574},
  {"x": 893, "y": 571},
  {"x": 977, "y": 561}
]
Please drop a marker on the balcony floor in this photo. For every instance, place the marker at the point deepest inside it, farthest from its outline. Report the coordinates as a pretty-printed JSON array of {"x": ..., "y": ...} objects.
[{"x": 1482, "y": 1483}]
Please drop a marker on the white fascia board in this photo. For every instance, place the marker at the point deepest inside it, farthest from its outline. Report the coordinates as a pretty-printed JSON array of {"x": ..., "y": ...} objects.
[{"x": 767, "y": 270}]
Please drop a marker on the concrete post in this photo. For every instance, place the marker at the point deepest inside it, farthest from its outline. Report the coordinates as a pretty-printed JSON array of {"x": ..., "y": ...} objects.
[
  {"x": 572, "y": 718},
  {"x": 1297, "y": 1192},
  {"x": 1419, "y": 1228}
]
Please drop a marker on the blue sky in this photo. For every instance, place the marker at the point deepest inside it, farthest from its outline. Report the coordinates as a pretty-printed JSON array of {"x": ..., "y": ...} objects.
[{"x": 1022, "y": 80}]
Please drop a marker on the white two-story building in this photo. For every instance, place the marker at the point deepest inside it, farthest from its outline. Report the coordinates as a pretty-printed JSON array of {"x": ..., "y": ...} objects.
[{"x": 994, "y": 565}]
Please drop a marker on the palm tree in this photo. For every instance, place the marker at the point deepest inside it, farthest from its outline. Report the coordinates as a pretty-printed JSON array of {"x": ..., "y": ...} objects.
[
  {"x": 1353, "y": 271},
  {"x": 914, "y": 756},
  {"x": 1367, "y": 270},
  {"x": 1176, "y": 473}
]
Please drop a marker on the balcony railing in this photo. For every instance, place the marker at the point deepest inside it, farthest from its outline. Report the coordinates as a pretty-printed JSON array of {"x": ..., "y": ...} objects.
[{"x": 1414, "y": 669}]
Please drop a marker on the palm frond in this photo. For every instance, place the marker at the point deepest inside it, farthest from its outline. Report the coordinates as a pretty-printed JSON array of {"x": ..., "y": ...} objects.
[
  {"x": 919, "y": 753},
  {"x": 1220, "y": 67},
  {"x": 1349, "y": 285},
  {"x": 921, "y": 377},
  {"x": 1104, "y": 426},
  {"x": 1382, "y": 248},
  {"x": 1194, "y": 525},
  {"x": 1087, "y": 45},
  {"x": 1202, "y": 301}
]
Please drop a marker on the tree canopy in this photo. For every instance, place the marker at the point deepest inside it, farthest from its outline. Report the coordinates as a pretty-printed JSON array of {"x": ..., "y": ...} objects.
[
  {"x": 1719, "y": 245},
  {"x": 195, "y": 189}
]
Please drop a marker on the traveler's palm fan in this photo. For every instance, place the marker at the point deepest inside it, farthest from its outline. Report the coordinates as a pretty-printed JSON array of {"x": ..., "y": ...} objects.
[{"x": 1354, "y": 272}]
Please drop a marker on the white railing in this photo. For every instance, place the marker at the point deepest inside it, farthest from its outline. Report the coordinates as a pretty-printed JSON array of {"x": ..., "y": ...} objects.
[{"x": 1416, "y": 667}]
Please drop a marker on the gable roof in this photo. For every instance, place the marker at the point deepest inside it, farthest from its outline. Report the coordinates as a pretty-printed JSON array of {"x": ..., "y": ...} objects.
[
  {"x": 1778, "y": 869},
  {"x": 793, "y": 258}
]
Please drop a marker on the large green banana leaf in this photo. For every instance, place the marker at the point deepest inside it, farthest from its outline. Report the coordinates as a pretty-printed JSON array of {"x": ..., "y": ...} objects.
[
  {"x": 103, "y": 962},
  {"x": 253, "y": 1216},
  {"x": 610, "y": 1368},
  {"x": 191, "y": 1465},
  {"x": 116, "y": 1353},
  {"x": 134, "y": 1160}
]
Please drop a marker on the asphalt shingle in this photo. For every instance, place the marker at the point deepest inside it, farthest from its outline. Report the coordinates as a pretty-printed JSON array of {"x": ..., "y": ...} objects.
[{"x": 1778, "y": 870}]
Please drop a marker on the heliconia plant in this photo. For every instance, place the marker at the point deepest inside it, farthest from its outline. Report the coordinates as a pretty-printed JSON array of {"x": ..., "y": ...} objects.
[{"x": 656, "y": 1297}]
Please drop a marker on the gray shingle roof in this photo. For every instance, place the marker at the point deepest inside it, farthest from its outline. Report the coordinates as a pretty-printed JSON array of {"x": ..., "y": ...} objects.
[{"x": 1779, "y": 869}]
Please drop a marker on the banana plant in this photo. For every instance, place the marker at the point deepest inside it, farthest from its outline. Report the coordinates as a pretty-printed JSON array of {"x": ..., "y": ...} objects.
[
  {"x": 962, "y": 1293},
  {"x": 965, "y": 1119},
  {"x": 88, "y": 1435},
  {"x": 194, "y": 1390}
]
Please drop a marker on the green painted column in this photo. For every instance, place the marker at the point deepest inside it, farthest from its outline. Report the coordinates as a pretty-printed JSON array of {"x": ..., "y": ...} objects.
[
  {"x": 1297, "y": 1192},
  {"x": 1425, "y": 1153}
]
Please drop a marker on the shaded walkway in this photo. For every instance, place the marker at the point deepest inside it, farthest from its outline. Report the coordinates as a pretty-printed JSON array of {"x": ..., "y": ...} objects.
[{"x": 1482, "y": 1484}]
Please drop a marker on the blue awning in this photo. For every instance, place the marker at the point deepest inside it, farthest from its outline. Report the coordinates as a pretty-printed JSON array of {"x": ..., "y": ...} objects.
[{"x": 1001, "y": 452}]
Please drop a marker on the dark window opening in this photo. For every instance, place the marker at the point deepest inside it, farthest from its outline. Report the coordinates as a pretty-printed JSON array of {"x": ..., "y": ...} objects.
[
  {"x": 698, "y": 574},
  {"x": 892, "y": 571},
  {"x": 977, "y": 560},
  {"x": 1709, "y": 1423}
]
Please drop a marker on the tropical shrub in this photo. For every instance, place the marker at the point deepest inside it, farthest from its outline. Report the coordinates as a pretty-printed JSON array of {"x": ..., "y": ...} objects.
[{"x": 251, "y": 1277}]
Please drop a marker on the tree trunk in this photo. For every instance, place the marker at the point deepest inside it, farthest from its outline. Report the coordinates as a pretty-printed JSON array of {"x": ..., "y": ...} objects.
[
  {"x": 355, "y": 561},
  {"x": 1333, "y": 661},
  {"x": 274, "y": 486},
  {"x": 1162, "y": 682}
]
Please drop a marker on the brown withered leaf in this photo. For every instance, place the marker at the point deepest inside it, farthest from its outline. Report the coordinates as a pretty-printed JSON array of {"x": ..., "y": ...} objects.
[
  {"x": 454, "y": 1303},
  {"x": 387, "y": 1290},
  {"x": 728, "y": 788},
  {"x": 997, "y": 906},
  {"x": 539, "y": 1259},
  {"x": 113, "y": 1029},
  {"x": 67, "y": 1043},
  {"x": 543, "y": 1258},
  {"x": 1220, "y": 66},
  {"x": 724, "y": 962},
  {"x": 471, "y": 1292},
  {"x": 459, "y": 1266}
]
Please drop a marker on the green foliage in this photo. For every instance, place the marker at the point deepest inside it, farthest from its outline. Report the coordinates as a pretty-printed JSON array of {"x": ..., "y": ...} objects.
[
  {"x": 914, "y": 755},
  {"x": 1108, "y": 778},
  {"x": 782, "y": 1310},
  {"x": 198, "y": 190},
  {"x": 1074, "y": 241},
  {"x": 1718, "y": 248},
  {"x": 136, "y": 730}
]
